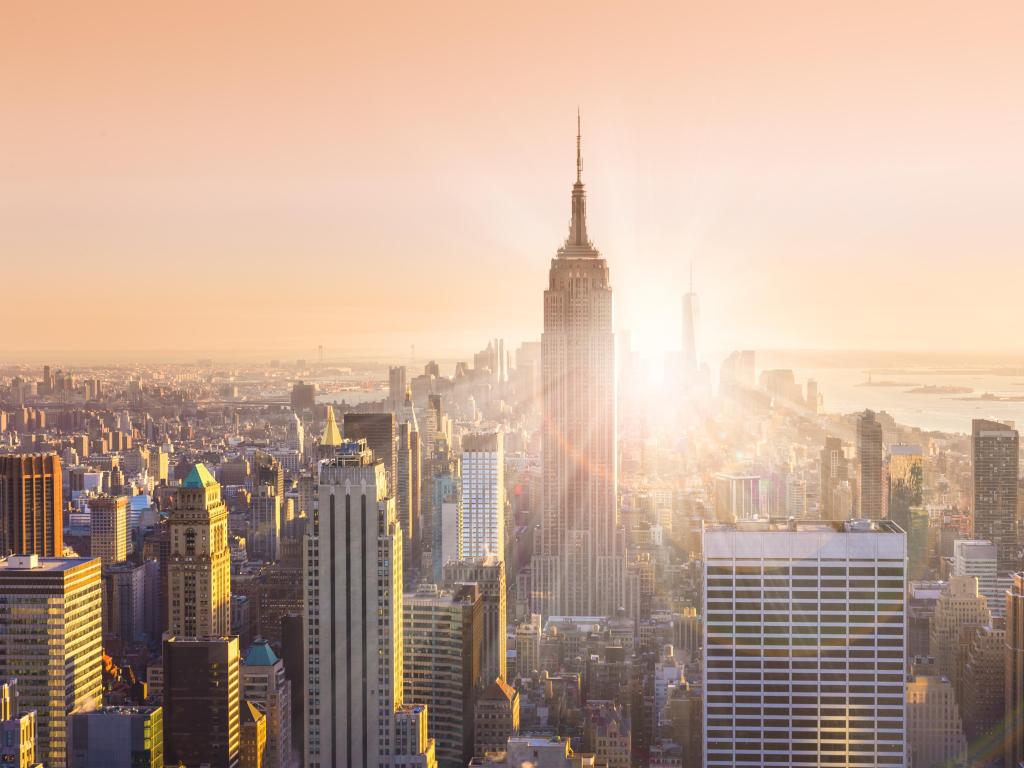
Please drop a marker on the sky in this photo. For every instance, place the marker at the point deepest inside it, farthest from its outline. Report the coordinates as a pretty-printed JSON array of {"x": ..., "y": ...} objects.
[{"x": 238, "y": 177}]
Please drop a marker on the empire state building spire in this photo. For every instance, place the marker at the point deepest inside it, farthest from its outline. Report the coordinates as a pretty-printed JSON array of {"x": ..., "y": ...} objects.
[{"x": 578, "y": 226}]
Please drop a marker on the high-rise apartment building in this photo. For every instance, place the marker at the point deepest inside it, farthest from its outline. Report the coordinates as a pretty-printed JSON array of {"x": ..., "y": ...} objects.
[
  {"x": 31, "y": 504},
  {"x": 108, "y": 520},
  {"x": 483, "y": 496},
  {"x": 117, "y": 737},
  {"x": 578, "y": 565},
  {"x": 51, "y": 641},
  {"x": 995, "y": 454},
  {"x": 201, "y": 701},
  {"x": 264, "y": 683},
  {"x": 353, "y": 634},
  {"x": 443, "y": 636},
  {"x": 488, "y": 573},
  {"x": 869, "y": 455},
  {"x": 805, "y": 640},
  {"x": 199, "y": 569}
]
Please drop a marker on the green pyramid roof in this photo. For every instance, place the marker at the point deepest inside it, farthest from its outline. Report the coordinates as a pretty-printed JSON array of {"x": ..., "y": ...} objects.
[
  {"x": 199, "y": 477},
  {"x": 260, "y": 654}
]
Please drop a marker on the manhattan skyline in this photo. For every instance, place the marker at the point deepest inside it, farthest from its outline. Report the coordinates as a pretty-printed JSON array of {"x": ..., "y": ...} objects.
[{"x": 795, "y": 158}]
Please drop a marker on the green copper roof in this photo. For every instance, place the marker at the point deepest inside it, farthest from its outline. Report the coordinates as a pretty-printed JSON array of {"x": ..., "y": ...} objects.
[
  {"x": 199, "y": 477},
  {"x": 260, "y": 655}
]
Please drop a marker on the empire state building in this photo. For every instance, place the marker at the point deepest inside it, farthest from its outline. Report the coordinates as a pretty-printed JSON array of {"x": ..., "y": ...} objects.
[{"x": 578, "y": 560}]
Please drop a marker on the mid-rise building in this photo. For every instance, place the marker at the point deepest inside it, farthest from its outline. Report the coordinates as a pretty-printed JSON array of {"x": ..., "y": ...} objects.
[
  {"x": 979, "y": 559},
  {"x": 31, "y": 505},
  {"x": 253, "y": 736},
  {"x": 199, "y": 567},
  {"x": 959, "y": 606},
  {"x": 483, "y": 496},
  {"x": 124, "y": 601},
  {"x": 201, "y": 701},
  {"x": 51, "y": 624},
  {"x": 17, "y": 729},
  {"x": 117, "y": 737},
  {"x": 443, "y": 636},
  {"x": 805, "y": 636},
  {"x": 995, "y": 457},
  {"x": 496, "y": 718},
  {"x": 981, "y": 696}
]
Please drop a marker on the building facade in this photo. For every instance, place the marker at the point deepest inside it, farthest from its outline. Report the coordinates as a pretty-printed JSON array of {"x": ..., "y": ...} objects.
[
  {"x": 995, "y": 457},
  {"x": 32, "y": 505},
  {"x": 483, "y": 495}
]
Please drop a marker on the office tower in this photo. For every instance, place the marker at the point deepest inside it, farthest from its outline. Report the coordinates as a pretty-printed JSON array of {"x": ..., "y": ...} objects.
[
  {"x": 381, "y": 435},
  {"x": 960, "y": 606},
  {"x": 995, "y": 455},
  {"x": 124, "y": 602},
  {"x": 979, "y": 559},
  {"x": 31, "y": 504},
  {"x": 50, "y": 631},
  {"x": 159, "y": 464},
  {"x": 253, "y": 739},
  {"x": 690, "y": 318},
  {"x": 905, "y": 480},
  {"x": 264, "y": 683},
  {"x": 738, "y": 497},
  {"x": 353, "y": 576},
  {"x": 303, "y": 396},
  {"x": 17, "y": 729},
  {"x": 201, "y": 701},
  {"x": 578, "y": 567},
  {"x": 935, "y": 732},
  {"x": 981, "y": 701},
  {"x": 1013, "y": 722},
  {"x": 869, "y": 454},
  {"x": 108, "y": 520},
  {"x": 488, "y": 573},
  {"x": 199, "y": 570},
  {"x": 483, "y": 496},
  {"x": 443, "y": 635},
  {"x": 805, "y": 640},
  {"x": 117, "y": 737},
  {"x": 918, "y": 553},
  {"x": 834, "y": 471},
  {"x": 397, "y": 386},
  {"x": 496, "y": 718},
  {"x": 264, "y": 542},
  {"x": 447, "y": 534}
]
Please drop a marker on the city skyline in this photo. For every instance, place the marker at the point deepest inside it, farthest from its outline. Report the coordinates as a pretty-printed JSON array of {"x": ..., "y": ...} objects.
[{"x": 813, "y": 177}]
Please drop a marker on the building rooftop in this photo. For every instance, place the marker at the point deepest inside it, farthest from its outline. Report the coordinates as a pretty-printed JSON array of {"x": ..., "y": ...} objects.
[
  {"x": 499, "y": 690},
  {"x": 199, "y": 477},
  {"x": 260, "y": 654},
  {"x": 34, "y": 564},
  {"x": 791, "y": 525}
]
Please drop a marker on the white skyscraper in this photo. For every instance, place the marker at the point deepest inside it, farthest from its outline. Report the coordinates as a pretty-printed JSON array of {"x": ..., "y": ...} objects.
[
  {"x": 805, "y": 635},
  {"x": 353, "y": 578},
  {"x": 483, "y": 496}
]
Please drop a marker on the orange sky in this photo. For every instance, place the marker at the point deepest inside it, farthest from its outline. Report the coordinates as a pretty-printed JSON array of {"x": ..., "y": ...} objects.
[{"x": 257, "y": 176}]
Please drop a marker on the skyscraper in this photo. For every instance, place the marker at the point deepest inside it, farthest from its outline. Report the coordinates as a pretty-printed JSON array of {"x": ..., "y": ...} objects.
[
  {"x": 805, "y": 635},
  {"x": 995, "y": 453},
  {"x": 353, "y": 577},
  {"x": 1013, "y": 738},
  {"x": 833, "y": 472},
  {"x": 201, "y": 701},
  {"x": 869, "y": 453},
  {"x": 263, "y": 682},
  {"x": 578, "y": 565},
  {"x": 691, "y": 310},
  {"x": 51, "y": 640},
  {"x": 483, "y": 495},
  {"x": 264, "y": 540},
  {"x": 199, "y": 570},
  {"x": 489, "y": 574},
  {"x": 905, "y": 481},
  {"x": 31, "y": 504},
  {"x": 397, "y": 384},
  {"x": 108, "y": 522},
  {"x": 381, "y": 436}
]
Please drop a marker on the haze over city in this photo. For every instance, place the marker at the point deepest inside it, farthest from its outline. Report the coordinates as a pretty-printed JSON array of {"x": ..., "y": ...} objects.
[{"x": 840, "y": 175}]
